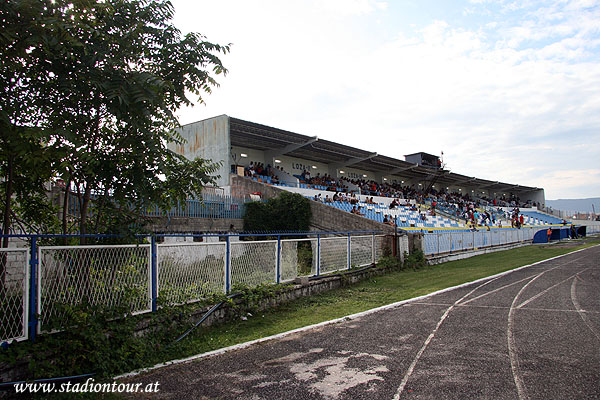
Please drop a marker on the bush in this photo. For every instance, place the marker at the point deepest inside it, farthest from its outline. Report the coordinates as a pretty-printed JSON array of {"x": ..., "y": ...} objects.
[
  {"x": 287, "y": 212},
  {"x": 390, "y": 262},
  {"x": 415, "y": 260}
]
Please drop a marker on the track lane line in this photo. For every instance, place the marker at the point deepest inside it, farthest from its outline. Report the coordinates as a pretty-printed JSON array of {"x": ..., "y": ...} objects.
[
  {"x": 413, "y": 364},
  {"x": 543, "y": 292},
  {"x": 512, "y": 345},
  {"x": 580, "y": 311}
]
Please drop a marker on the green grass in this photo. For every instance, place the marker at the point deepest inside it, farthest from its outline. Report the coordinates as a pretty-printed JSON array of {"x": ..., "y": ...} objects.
[{"x": 374, "y": 292}]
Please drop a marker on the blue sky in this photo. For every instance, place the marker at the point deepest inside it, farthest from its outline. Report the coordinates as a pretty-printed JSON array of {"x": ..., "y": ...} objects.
[{"x": 508, "y": 90}]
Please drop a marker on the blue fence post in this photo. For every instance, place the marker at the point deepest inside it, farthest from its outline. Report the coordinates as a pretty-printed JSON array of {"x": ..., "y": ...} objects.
[
  {"x": 33, "y": 264},
  {"x": 373, "y": 248},
  {"x": 154, "y": 272},
  {"x": 318, "y": 254},
  {"x": 278, "y": 263},
  {"x": 228, "y": 266},
  {"x": 349, "y": 251}
]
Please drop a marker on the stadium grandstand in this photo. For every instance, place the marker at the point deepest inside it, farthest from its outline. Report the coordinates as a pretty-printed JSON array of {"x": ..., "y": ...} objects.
[{"x": 413, "y": 194}]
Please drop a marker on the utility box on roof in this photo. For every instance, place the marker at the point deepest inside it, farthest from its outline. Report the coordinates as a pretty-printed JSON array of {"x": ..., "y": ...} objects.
[{"x": 424, "y": 160}]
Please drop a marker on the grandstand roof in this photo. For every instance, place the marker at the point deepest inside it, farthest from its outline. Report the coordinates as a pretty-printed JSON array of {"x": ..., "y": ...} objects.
[{"x": 266, "y": 138}]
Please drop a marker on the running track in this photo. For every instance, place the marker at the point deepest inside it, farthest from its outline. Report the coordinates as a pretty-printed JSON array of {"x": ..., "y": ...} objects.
[{"x": 533, "y": 333}]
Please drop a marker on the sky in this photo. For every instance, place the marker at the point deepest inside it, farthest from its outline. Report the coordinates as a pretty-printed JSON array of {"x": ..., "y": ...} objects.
[{"x": 508, "y": 90}]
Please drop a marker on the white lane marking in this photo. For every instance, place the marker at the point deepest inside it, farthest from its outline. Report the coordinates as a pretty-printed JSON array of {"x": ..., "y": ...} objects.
[
  {"x": 512, "y": 346},
  {"x": 543, "y": 292},
  {"x": 411, "y": 368},
  {"x": 580, "y": 311},
  {"x": 496, "y": 290},
  {"x": 506, "y": 307}
]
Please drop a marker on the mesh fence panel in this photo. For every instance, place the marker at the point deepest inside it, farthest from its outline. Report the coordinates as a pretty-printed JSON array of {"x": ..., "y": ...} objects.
[
  {"x": 478, "y": 239},
  {"x": 108, "y": 276},
  {"x": 431, "y": 243},
  {"x": 253, "y": 263},
  {"x": 456, "y": 241},
  {"x": 403, "y": 242},
  {"x": 298, "y": 258},
  {"x": 334, "y": 254},
  {"x": 188, "y": 272},
  {"x": 445, "y": 240},
  {"x": 13, "y": 294},
  {"x": 361, "y": 250},
  {"x": 467, "y": 240}
]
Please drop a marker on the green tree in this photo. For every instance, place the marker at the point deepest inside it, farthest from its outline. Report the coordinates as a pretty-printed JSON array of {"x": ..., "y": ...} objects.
[{"x": 103, "y": 79}]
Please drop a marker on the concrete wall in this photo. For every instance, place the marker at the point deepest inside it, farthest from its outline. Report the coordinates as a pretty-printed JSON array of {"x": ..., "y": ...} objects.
[
  {"x": 208, "y": 139},
  {"x": 191, "y": 225}
]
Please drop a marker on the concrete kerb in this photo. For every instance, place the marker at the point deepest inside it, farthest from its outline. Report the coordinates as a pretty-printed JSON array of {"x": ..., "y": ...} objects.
[{"x": 333, "y": 321}]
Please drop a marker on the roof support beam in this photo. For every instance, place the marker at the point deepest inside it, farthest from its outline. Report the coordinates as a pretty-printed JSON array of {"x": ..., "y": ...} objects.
[
  {"x": 463, "y": 182},
  {"x": 488, "y": 186},
  {"x": 352, "y": 161},
  {"x": 396, "y": 170},
  {"x": 289, "y": 148}
]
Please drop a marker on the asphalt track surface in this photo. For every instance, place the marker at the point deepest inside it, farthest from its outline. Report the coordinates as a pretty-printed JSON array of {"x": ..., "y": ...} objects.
[{"x": 533, "y": 333}]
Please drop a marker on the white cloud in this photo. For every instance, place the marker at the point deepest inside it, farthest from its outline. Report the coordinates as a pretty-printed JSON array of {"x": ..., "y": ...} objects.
[{"x": 506, "y": 100}]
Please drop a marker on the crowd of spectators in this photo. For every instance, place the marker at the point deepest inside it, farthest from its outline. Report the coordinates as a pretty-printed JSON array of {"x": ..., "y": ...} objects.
[
  {"x": 255, "y": 169},
  {"x": 458, "y": 204}
]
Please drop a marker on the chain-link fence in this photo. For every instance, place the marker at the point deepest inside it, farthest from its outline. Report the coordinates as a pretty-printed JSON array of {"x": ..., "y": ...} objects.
[
  {"x": 107, "y": 276},
  {"x": 448, "y": 242},
  {"x": 253, "y": 263},
  {"x": 140, "y": 277},
  {"x": 190, "y": 271},
  {"x": 14, "y": 293}
]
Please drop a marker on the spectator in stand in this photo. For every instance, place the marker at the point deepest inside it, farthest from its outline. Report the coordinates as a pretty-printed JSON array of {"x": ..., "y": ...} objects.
[{"x": 390, "y": 221}]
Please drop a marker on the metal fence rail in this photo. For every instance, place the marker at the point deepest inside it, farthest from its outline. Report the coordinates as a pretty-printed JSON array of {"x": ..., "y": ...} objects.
[
  {"x": 448, "y": 242},
  {"x": 137, "y": 276}
]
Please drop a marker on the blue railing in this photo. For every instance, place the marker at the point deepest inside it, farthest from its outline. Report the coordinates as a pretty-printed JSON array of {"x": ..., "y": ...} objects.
[{"x": 209, "y": 206}]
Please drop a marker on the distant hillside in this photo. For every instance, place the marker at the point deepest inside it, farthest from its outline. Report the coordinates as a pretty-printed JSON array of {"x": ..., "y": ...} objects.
[{"x": 579, "y": 205}]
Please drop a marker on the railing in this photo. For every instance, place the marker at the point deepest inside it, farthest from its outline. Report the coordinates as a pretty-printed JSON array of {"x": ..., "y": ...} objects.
[
  {"x": 447, "y": 242},
  {"x": 212, "y": 205},
  {"x": 41, "y": 284}
]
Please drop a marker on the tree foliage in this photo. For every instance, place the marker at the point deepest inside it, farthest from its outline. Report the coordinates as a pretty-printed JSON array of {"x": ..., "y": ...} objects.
[
  {"x": 287, "y": 212},
  {"x": 99, "y": 82}
]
